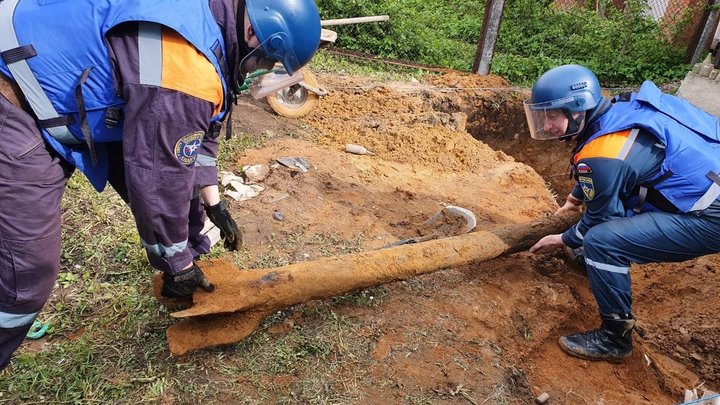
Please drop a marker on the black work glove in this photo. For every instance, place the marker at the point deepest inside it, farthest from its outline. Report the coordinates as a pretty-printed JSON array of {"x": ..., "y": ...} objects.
[
  {"x": 229, "y": 231},
  {"x": 183, "y": 284},
  {"x": 577, "y": 257}
]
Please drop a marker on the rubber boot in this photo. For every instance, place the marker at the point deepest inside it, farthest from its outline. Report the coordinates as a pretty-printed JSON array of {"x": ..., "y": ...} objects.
[{"x": 612, "y": 342}]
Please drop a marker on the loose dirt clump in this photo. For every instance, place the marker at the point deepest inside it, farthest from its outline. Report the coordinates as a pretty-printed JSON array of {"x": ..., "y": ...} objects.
[
  {"x": 484, "y": 333},
  {"x": 399, "y": 128},
  {"x": 442, "y": 224}
]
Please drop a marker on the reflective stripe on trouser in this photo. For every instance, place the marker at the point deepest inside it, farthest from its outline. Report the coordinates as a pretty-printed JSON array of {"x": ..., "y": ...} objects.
[
  {"x": 198, "y": 243},
  {"x": 32, "y": 180},
  {"x": 652, "y": 237}
]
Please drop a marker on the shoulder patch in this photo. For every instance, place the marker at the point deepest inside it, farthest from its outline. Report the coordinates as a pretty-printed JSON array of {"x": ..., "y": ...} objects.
[
  {"x": 587, "y": 186},
  {"x": 583, "y": 168},
  {"x": 187, "y": 148}
]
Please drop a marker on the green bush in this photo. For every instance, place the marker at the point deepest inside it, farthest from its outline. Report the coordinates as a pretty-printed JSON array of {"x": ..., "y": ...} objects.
[
  {"x": 623, "y": 48},
  {"x": 443, "y": 33}
]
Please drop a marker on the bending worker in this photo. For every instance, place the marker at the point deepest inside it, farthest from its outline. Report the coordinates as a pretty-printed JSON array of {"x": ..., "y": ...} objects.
[
  {"x": 131, "y": 93},
  {"x": 647, "y": 167}
]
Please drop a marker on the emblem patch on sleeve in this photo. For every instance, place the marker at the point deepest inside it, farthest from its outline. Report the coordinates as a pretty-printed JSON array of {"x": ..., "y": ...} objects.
[
  {"x": 583, "y": 168},
  {"x": 587, "y": 186},
  {"x": 187, "y": 148}
]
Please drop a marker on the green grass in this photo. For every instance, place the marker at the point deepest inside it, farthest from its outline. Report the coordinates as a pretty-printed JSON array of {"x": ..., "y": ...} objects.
[
  {"x": 229, "y": 149},
  {"x": 107, "y": 344}
]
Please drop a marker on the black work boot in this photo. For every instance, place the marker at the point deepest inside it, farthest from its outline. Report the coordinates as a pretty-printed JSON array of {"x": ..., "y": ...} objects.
[{"x": 611, "y": 342}]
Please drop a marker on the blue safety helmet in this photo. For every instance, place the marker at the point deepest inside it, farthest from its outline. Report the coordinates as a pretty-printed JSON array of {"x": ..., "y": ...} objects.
[
  {"x": 570, "y": 90},
  {"x": 288, "y": 30}
]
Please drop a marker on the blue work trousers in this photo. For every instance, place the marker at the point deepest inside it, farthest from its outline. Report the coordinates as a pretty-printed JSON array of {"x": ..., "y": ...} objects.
[
  {"x": 652, "y": 237},
  {"x": 32, "y": 183}
]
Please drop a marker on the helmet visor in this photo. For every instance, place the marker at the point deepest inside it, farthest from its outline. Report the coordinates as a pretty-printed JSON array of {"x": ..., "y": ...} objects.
[
  {"x": 546, "y": 121},
  {"x": 257, "y": 59},
  {"x": 274, "y": 81}
]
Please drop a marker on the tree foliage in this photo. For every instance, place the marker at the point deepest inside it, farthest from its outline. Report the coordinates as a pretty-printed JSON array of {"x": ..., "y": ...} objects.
[{"x": 622, "y": 47}]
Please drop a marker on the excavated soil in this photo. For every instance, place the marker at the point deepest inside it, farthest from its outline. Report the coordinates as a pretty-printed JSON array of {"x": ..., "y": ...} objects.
[{"x": 482, "y": 333}]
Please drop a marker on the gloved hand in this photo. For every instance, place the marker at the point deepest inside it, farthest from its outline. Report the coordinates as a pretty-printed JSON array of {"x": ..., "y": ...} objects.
[
  {"x": 183, "y": 284},
  {"x": 229, "y": 231}
]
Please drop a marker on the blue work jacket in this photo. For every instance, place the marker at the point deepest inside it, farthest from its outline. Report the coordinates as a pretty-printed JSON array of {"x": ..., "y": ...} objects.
[{"x": 65, "y": 73}]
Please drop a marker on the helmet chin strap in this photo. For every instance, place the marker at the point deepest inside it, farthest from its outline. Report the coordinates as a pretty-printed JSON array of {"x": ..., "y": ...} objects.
[
  {"x": 243, "y": 49},
  {"x": 591, "y": 116}
]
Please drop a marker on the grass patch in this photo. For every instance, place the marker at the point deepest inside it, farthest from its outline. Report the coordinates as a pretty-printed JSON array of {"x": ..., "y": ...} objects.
[
  {"x": 229, "y": 150},
  {"x": 369, "y": 297},
  {"x": 315, "y": 352}
]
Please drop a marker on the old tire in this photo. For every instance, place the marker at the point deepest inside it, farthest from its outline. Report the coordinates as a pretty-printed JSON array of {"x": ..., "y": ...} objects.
[{"x": 295, "y": 101}]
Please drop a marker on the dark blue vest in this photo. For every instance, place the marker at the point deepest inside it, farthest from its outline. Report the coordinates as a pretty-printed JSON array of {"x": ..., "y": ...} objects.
[{"x": 689, "y": 175}]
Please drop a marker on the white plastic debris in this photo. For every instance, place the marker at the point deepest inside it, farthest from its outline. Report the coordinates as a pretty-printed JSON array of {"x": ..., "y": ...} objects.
[
  {"x": 708, "y": 397},
  {"x": 242, "y": 192},
  {"x": 211, "y": 231},
  {"x": 357, "y": 149},
  {"x": 236, "y": 187},
  {"x": 542, "y": 398},
  {"x": 227, "y": 177},
  {"x": 456, "y": 212}
]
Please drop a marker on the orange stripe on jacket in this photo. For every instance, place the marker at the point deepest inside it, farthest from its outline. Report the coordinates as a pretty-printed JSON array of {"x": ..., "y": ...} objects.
[
  {"x": 187, "y": 70},
  {"x": 606, "y": 146}
]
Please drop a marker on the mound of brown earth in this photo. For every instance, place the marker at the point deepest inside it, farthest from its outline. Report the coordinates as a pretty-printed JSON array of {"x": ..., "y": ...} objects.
[{"x": 483, "y": 333}]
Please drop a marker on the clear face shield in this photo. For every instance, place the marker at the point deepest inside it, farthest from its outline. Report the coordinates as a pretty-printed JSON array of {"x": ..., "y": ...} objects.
[
  {"x": 547, "y": 121},
  {"x": 274, "y": 80}
]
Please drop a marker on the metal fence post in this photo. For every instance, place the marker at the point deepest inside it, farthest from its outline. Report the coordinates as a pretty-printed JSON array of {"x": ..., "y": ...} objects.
[
  {"x": 488, "y": 36},
  {"x": 707, "y": 31}
]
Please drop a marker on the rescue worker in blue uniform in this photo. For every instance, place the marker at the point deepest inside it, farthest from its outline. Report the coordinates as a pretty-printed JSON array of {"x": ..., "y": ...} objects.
[
  {"x": 132, "y": 94},
  {"x": 646, "y": 166}
]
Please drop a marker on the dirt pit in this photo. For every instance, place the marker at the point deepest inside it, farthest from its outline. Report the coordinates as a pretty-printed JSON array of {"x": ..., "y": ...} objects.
[{"x": 484, "y": 333}]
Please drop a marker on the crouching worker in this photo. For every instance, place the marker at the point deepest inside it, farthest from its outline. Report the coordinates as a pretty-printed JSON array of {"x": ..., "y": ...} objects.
[
  {"x": 647, "y": 169},
  {"x": 132, "y": 94}
]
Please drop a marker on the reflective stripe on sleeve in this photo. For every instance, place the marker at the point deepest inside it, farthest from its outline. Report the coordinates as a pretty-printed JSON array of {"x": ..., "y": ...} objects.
[
  {"x": 161, "y": 250},
  {"x": 205, "y": 161},
  {"x": 628, "y": 144},
  {"x": 708, "y": 198},
  {"x": 150, "y": 53},
  {"x": 578, "y": 234},
  {"x": 8, "y": 321}
]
